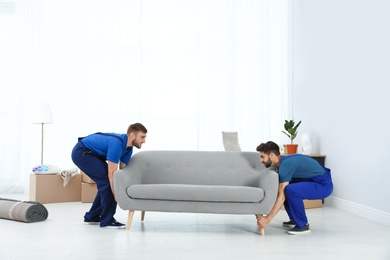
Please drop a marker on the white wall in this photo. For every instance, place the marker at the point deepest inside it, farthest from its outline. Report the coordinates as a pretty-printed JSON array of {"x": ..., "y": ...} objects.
[
  {"x": 341, "y": 87},
  {"x": 186, "y": 69}
]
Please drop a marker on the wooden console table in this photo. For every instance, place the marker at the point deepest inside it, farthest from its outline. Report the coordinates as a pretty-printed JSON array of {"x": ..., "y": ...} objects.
[{"x": 319, "y": 158}]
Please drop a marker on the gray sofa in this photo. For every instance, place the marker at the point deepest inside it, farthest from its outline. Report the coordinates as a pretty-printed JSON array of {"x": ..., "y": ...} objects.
[{"x": 196, "y": 181}]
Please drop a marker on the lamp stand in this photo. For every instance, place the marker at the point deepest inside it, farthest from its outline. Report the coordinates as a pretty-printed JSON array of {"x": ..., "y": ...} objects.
[
  {"x": 42, "y": 115},
  {"x": 42, "y": 145}
]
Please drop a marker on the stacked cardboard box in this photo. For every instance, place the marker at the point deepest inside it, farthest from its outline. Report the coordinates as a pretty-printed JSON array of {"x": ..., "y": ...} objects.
[
  {"x": 49, "y": 188},
  {"x": 309, "y": 204},
  {"x": 88, "y": 188}
]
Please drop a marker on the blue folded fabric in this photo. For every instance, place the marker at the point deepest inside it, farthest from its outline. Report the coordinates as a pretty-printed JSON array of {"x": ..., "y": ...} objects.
[{"x": 46, "y": 169}]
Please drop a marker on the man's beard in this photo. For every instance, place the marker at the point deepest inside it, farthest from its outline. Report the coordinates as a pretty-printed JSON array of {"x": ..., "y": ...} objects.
[
  {"x": 136, "y": 144},
  {"x": 268, "y": 163}
]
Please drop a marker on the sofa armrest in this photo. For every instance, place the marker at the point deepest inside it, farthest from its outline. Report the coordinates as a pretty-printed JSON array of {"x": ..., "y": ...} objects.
[
  {"x": 269, "y": 182},
  {"x": 123, "y": 179}
]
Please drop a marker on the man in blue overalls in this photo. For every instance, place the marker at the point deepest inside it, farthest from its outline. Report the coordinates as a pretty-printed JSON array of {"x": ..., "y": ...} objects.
[
  {"x": 99, "y": 155},
  {"x": 300, "y": 177}
]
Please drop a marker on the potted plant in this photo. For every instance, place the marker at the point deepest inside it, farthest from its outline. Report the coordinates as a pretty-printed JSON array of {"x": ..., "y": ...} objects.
[{"x": 291, "y": 130}]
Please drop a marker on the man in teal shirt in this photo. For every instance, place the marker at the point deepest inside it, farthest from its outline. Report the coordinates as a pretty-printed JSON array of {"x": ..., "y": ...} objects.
[{"x": 300, "y": 177}]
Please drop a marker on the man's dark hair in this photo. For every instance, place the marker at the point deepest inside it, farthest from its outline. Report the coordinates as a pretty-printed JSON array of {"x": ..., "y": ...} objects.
[
  {"x": 269, "y": 147},
  {"x": 136, "y": 128}
]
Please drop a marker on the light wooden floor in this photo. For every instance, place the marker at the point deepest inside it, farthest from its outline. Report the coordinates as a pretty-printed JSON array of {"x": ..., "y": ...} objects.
[{"x": 335, "y": 235}]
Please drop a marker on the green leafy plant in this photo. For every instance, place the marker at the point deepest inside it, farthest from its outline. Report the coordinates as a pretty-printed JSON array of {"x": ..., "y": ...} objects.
[{"x": 291, "y": 129}]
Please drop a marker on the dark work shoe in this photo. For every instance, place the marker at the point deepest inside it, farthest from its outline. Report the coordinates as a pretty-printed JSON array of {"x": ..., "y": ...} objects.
[
  {"x": 116, "y": 225},
  {"x": 299, "y": 230},
  {"x": 93, "y": 221},
  {"x": 289, "y": 224}
]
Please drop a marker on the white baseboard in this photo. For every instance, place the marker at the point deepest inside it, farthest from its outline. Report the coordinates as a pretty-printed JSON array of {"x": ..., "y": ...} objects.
[{"x": 360, "y": 210}]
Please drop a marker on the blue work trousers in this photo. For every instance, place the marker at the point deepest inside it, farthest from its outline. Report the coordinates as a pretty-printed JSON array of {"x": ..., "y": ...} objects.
[
  {"x": 95, "y": 166},
  {"x": 315, "y": 188}
]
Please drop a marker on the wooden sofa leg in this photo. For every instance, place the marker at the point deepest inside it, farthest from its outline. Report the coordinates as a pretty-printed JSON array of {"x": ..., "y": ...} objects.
[
  {"x": 142, "y": 215},
  {"x": 130, "y": 219},
  {"x": 261, "y": 230}
]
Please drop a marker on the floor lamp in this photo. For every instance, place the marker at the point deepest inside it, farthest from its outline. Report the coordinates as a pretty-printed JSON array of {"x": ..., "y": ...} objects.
[{"x": 42, "y": 115}]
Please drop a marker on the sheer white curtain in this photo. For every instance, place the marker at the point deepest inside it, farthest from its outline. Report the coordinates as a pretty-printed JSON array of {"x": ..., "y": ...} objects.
[
  {"x": 186, "y": 69},
  {"x": 244, "y": 71}
]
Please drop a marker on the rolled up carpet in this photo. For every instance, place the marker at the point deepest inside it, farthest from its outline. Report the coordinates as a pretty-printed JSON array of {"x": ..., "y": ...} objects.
[{"x": 24, "y": 211}]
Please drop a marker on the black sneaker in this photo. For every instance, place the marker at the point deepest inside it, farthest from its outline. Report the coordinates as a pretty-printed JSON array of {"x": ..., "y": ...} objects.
[
  {"x": 93, "y": 221},
  {"x": 299, "y": 231},
  {"x": 116, "y": 225},
  {"x": 289, "y": 224}
]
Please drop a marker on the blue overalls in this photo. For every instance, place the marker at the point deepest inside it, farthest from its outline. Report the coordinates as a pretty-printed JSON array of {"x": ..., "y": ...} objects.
[
  {"x": 316, "y": 187},
  {"x": 96, "y": 167}
]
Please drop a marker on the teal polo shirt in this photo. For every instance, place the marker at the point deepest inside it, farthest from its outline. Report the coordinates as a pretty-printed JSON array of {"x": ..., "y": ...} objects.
[{"x": 298, "y": 166}]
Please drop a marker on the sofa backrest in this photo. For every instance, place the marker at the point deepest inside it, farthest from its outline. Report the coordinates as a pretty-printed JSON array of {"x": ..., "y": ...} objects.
[{"x": 197, "y": 167}]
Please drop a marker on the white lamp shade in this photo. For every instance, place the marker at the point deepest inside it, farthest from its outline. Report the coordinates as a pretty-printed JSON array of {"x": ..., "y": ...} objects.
[{"x": 42, "y": 114}]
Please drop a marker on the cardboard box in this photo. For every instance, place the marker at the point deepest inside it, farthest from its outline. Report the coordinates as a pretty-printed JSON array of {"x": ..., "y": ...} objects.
[
  {"x": 88, "y": 192},
  {"x": 49, "y": 188},
  {"x": 85, "y": 178},
  {"x": 309, "y": 204}
]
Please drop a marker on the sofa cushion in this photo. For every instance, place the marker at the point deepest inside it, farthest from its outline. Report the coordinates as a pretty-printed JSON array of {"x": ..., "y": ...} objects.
[{"x": 185, "y": 192}]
